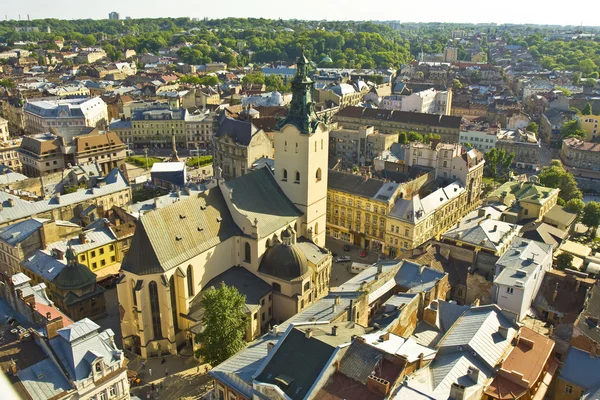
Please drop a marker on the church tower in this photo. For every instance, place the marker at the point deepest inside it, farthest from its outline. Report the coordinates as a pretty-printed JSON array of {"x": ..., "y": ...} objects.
[{"x": 301, "y": 157}]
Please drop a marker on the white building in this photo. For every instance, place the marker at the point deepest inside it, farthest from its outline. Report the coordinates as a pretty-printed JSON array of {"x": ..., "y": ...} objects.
[
  {"x": 519, "y": 275},
  {"x": 483, "y": 141},
  {"x": 41, "y": 115},
  {"x": 429, "y": 101},
  {"x": 3, "y": 130}
]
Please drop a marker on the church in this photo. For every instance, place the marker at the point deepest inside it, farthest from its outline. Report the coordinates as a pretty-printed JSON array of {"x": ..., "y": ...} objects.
[{"x": 263, "y": 232}]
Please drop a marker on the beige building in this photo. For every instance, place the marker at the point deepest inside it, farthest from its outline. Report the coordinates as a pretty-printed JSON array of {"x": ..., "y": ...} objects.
[
  {"x": 392, "y": 121},
  {"x": 88, "y": 57},
  {"x": 450, "y": 54},
  {"x": 527, "y": 201},
  {"x": 20, "y": 239},
  {"x": 9, "y": 154},
  {"x": 358, "y": 147},
  {"x": 342, "y": 95},
  {"x": 589, "y": 123},
  {"x": 4, "y": 134},
  {"x": 524, "y": 144},
  {"x": 579, "y": 154},
  {"x": 272, "y": 225},
  {"x": 358, "y": 207},
  {"x": 42, "y": 115},
  {"x": 237, "y": 145}
]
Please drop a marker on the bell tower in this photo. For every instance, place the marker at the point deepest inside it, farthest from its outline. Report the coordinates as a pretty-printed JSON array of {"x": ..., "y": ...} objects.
[{"x": 301, "y": 156}]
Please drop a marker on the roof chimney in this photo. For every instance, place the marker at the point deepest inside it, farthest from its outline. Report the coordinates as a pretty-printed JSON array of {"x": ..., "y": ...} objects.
[
  {"x": 338, "y": 299},
  {"x": 473, "y": 373},
  {"x": 334, "y": 330},
  {"x": 308, "y": 333}
]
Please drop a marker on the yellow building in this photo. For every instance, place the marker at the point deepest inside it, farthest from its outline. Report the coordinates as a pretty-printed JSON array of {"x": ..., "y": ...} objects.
[
  {"x": 526, "y": 200},
  {"x": 357, "y": 208},
  {"x": 589, "y": 123},
  {"x": 414, "y": 221}
]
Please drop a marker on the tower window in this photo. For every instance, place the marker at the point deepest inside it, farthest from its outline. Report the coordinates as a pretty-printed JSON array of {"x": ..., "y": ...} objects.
[
  {"x": 318, "y": 176},
  {"x": 285, "y": 146},
  {"x": 315, "y": 147},
  {"x": 297, "y": 177},
  {"x": 296, "y": 147},
  {"x": 284, "y": 175}
]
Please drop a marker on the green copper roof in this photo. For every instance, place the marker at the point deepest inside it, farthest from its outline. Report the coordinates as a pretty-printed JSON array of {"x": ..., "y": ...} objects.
[
  {"x": 302, "y": 109},
  {"x": 74, "y": 275}
]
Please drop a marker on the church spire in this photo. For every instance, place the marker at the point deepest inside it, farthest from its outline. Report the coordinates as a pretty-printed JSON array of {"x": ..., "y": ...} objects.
[{"x": 302, "y": 110}]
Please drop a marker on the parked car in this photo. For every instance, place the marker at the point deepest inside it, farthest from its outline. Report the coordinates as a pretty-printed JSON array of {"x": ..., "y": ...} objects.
[
  {"x": 364, "y": 253},
  {"x": 342, "y": 259},
  {"x": 346, "y": 247}
]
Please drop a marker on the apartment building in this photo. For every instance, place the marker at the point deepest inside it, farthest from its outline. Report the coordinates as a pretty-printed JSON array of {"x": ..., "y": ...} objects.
[
  {"x": 524, "y": 144},
  {"x": 589, "y": 123},
  {"x": 391, "y": 121},
  {"x": 342, "y": 94},
  {"x": 153, "y": 127},
  {"x": 358, "y": 147},
  {"x": 357, "y": 208},
  {"x": 414, "y": 221},
  {"x": 579, "y": 154},
  {"x": 53, "y": 151},
  {"x": 41, "y": 115},
  {"x": 9, "y": 154},
  {"x": 481, "y": 136},
  {"x": 428, "y": 101}
]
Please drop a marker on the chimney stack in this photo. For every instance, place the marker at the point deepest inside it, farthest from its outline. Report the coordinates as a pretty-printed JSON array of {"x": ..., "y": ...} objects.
[
  {"x": 334, "y": 330},
  {"x": 308, "y": 333},
  {"x": 420, "y": 362}
]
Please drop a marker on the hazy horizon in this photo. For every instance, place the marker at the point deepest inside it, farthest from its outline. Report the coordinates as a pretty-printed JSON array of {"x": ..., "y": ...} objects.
[{"x": 459, "y": 11}]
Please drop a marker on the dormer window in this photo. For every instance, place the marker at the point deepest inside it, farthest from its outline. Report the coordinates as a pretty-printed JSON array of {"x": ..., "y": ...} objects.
[{"x": 98, "y": 367}]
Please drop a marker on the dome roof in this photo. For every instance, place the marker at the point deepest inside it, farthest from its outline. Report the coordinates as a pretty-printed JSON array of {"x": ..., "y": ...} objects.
[
  {"x": 74, "y": 276},
  {"x": 283, "y": 261},
  {"x": 327, "y": 59}
]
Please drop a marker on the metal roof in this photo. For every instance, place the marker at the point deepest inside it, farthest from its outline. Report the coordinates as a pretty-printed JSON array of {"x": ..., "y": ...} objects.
[
  {"x": 16, "y": 233},
  {"x": 115, "y": 182},
  {"x": 581, "y": 369},
  {"x": 522, "y": 260},
  {"x": 44, "y": 380}
]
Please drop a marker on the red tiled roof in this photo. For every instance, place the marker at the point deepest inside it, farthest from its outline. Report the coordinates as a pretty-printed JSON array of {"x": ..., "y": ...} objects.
[{"x": 54, "y": 313}]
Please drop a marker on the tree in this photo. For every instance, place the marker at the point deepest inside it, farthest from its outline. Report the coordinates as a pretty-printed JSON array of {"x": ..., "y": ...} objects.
[
  {"x": 576, "y": 78},
  {"x": 571, "y": 129},
  {"x": 402, "y": 138},
  {"x": 532, "y": 127},
  {"x": 497, "y": 162},
  {"x": 555, "y": 176},
  {"x": 587, "y": 109},
  {"x": 7, "y": 83},
  {"x": 224, "y": 323},
  {"x": 255, "y": 78},
  {"x": 591, "y": 216},
  {"x": 415, "y": 137},
  {"x": 575, "y": 206},
  {"x": 564, "y": 260},
  {"x": 587, "y": 66},
  {"x": 456, "y": 84}
]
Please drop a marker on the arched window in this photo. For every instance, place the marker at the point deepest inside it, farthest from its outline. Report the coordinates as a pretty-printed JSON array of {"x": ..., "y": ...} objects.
[
  {"x": 296, "y": 227},
  {"x": 155, "y": 310},
  {"x": 321, "y": 144},
  {"x": 190, "y": 280},
  {"x": 318, "y": 174},
  {"x": 296, "y": 147},
  {"x": 317, "y": 228},
  {"x": 247, "y": 253},
  {"x": 134, "y": 296},
  {"x": 285, "y": 146},
  {"x": 297, "y": 177},
  {"x": 284, "y": 175},
  {"x": 315, "y": 147},
  {"x": 174, "y": 303}
]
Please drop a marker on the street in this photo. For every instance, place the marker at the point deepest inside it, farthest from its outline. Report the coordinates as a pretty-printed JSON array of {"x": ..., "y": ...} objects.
[{"x": 340, "y": 272}]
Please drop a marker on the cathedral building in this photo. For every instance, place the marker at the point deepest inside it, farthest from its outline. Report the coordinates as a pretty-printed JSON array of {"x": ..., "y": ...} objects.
[{"x": 269, "y": 224}]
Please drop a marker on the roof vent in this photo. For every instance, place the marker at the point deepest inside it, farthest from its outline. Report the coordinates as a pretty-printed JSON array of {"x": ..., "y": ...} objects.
[
  {"x": 200, "y": 229},
  {"x": 181, "y": 216},
  {"x": 219, "y": 219},
  {"x": 178, "y": 238}
]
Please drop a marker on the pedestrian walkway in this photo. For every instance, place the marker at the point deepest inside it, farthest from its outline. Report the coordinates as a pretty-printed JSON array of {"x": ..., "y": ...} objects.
[{"x": 170, "y": 377}]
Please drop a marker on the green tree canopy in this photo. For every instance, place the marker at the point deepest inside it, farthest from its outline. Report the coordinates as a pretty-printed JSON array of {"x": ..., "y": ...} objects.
[
  {"x": 532, "y": 127},
  {"x": 572, "y": 129},
  {"x": 7, "y": 83},
  {"x": 591, "y": 216},
  {"x": 587, "y": 109},
  {"x": 402, "y": 138},
  {"x": 575, "y": 206},
  {"x": 254, "y": 78},
  {"x": 564, "y": 260},
  {"x": 415, "y": 137},
  {"x": 224, "y": 323},
  {"x": 497, "y": 163},
  {"x": 555, "y": 176}
]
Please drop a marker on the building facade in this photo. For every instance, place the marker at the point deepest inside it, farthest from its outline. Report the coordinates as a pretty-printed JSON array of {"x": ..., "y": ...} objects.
[
  {"x": 358, "y": 147},
  {"x": 42, "y": 115},
  {"x": 524, "y": 144},
  {"x": 576, "y": 153}
]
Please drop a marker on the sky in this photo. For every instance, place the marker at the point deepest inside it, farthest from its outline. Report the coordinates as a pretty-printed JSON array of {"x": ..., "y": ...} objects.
[{"x": 468, "y": 11}]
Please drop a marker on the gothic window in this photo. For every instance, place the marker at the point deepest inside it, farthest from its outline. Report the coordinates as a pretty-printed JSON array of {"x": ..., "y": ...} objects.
[
  {"x": 284, "y": 175},
  {"x": 174, "y": 303},
  {"x": 155, "y": 310},
  {"x": 317, "y": 228},
  {"x": 318, "y": 174},
  {"x": 297, "y": 177},
  {"x": 296, "y": 147},
  {"x": 190, "y": 280},
  {"x": 247, "y": 252}
]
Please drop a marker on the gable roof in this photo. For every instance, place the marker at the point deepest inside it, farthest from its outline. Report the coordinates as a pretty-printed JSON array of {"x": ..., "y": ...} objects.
[
  {"x": 241, "y": 131},
  {"x": 169, "y": 236},
  {"x": 258, "y": 196},
  {"x": 354, "y": 184}
]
